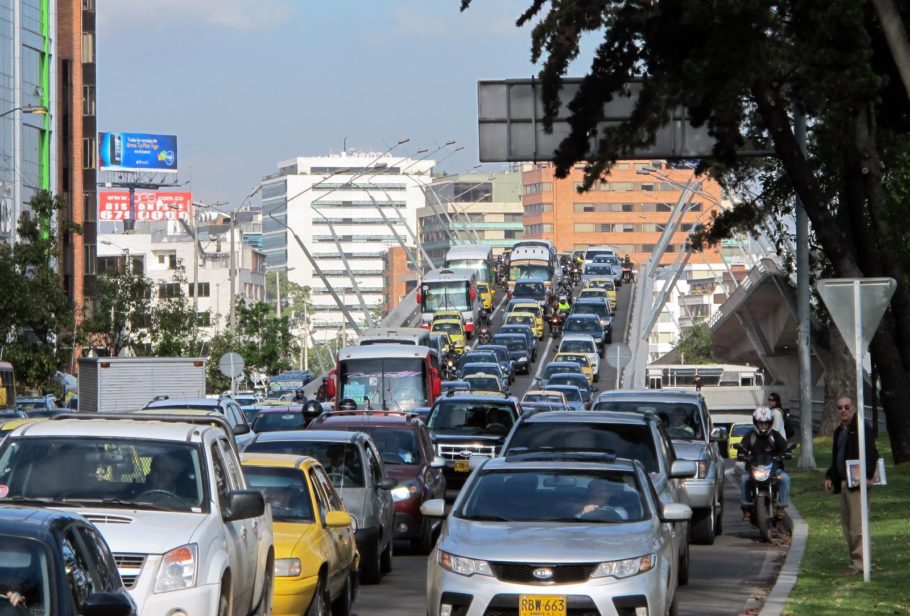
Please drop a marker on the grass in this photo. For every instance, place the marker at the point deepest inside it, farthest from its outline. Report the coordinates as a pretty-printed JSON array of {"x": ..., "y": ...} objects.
[{"x": 824, "y": 587}]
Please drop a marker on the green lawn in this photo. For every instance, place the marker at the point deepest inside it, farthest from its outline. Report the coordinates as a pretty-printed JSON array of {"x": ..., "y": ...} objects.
[{"x": 824, "y": 587}]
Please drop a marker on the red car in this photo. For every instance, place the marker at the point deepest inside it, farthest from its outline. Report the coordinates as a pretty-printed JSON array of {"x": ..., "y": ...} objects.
[{"x": 408, "y": 456}]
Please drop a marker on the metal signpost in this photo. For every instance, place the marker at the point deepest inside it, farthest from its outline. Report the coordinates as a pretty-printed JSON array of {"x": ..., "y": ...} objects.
[
  {"x": 231, "y": 366},
  {"x": 856, "y": 306},
  {"x": 617, "y": 356}
]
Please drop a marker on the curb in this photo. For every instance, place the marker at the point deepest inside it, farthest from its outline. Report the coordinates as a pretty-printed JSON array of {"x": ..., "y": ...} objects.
[{"x": 789, "y": 571}]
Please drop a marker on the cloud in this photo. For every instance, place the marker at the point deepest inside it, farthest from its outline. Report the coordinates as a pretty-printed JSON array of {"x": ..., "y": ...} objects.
[{"x": 239, "y": 15}]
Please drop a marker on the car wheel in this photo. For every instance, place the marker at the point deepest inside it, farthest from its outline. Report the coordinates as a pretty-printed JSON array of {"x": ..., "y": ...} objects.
[
  {"x": 372, "y": 570},
  {"x": 673, "y": 607},
  {"x": 224, "y": 601},
  {"x": 683, "y": 575},
  {"x": 597, "y": 376},
  {"x": 321, "y": 603},
  {"x": 424, "y": 543},
  {"x": 719, "y": 523},
  {"x": 703, "y": 525},
  {"x": 385, "y": 563},
  {"x": 265, "y": 601},
  {"x": 342, "y": 605}
]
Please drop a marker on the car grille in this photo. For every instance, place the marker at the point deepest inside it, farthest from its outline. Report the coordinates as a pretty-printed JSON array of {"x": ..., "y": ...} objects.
[
  {"x": 130, "y": 566},
  {"x": 522, "y": 573},
  {"x": 463, "y": 452}
]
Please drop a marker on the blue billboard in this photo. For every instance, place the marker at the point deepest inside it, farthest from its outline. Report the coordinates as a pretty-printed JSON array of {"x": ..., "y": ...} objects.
[{"x": 137, "y": 152}]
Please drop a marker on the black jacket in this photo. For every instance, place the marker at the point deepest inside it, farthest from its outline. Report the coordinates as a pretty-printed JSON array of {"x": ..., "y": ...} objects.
[
  {"x": 852, "y": 452},
  {"x": 772, "y": 444}
]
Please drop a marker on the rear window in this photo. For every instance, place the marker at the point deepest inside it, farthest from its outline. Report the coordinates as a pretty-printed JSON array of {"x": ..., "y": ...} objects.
[
  {"x": 683, "y": 420},
  {"x": 577, "y": 346},
  {"x": 582, "y": 325},
  {"x": 341, "y": 460}
]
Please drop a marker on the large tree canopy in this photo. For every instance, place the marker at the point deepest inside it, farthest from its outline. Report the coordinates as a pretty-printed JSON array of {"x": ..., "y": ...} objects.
[{"x": 741, "y": 67}]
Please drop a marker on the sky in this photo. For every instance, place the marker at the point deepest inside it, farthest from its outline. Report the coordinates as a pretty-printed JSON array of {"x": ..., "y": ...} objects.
[{"x": 247, "y": 83}]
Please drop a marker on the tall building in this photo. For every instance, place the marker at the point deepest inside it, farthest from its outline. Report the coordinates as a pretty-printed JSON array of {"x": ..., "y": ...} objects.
[
  {"x": 77, "y": 127},
  {"x": 332, "y": 201},
  {"x": 627, "y": 209},
  {"x": 460, "y": 206},
  {"x": 28, "y": 101}
]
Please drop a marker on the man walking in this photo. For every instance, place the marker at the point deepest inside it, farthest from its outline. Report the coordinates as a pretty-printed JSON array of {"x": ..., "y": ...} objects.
[{"x": 845, "y": 448}]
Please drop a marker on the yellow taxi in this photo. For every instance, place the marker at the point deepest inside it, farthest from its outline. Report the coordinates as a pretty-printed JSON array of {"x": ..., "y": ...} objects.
[
  {"x": 455, "y": 330},
  {"x": 607, "y": 285},
  {"x": 582, "y": 360},
  {"x": 316, "y": 558},
  {"x": 525, "y": 318},
  {"x": 737, "y": 432},
  {"x": 534, "y": 308},
  {"x": 448, "y": 314},
  {"x": 486, "y": 295},
  {"x": 484, "y": 383},
  {"x": 8, "y": 426}
]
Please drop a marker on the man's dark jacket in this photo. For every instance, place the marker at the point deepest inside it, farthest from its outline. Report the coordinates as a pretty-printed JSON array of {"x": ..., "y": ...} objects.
[{"x": 852, "y": 453}]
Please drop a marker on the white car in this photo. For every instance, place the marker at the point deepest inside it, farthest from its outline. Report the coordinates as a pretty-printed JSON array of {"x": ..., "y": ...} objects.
[
  {"x": 188, "y": 535},
  {"x": 582, "y": 343}
]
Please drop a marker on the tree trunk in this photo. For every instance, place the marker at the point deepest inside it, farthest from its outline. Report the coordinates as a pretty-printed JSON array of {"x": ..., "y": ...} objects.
[{"x": 840, "y": 380}]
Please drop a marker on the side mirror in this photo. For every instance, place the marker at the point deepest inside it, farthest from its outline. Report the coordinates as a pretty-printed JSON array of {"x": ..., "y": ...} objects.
[
  {"x": 386, "y": 483},
  {"x": 240, "y": 429},
  {"x": 718, "y": 435},
  {"x": 683, "y": 469},
  {"x": 438, "y": 462},
  {"x": 595, "y": 390},
  {"x": 675, "y": 512},
  {"x": 435, "y": 508},
  {"x": 108, "y": 604},
  {"x": 337, "y": 519},
  {"x": 244, "y": 504}
]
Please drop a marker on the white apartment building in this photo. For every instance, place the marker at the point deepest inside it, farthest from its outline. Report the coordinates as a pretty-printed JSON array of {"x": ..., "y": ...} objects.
[
  {"x": 332, "y": 201},
  {"x": 159, "y": 252}
]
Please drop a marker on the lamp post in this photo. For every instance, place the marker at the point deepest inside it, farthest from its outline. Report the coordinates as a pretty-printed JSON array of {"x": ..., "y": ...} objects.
[{"x": 31, "y": 109}]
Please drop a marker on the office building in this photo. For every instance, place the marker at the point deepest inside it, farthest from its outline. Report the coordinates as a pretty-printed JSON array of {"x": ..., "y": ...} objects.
[
  {"x": 398, "y": 277},
  {"x": 363, "y": 203}
]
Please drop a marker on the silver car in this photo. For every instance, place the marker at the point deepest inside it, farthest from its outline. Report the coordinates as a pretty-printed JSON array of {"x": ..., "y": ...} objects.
[
  {"x": 694, "y": 438},
  {"x": 555, "y": 533}
]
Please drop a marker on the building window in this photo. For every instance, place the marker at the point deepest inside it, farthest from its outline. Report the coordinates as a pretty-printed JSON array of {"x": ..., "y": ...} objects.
[
  {"x": 91, "y": 259},
  {"x": 533, "y": 189},
  {"x": 169, "y": 260},
  {"x": 584, "y": 227},
  {"x": 584, "y": 207},
  {"x": 88, "y": 47},
  {"x": 204, "y": 289},
  {"x": 88, "y": 5},
  {"x": 169, "y": 290},
  {"x": 89, "y": 153},
  {"x": 204, "y": 319},
  {"x": 89, "y": 207},
  {"x": 88, "y": 100}
]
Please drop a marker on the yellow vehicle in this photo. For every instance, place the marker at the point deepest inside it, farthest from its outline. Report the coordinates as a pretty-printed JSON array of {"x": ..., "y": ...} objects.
[
  {"x": 486, "y": 295},
  {"x": 582, "y": 360},
  {"x": 597, "y": 292},
  {"x": 532, "y": 307},
  {"x": 8, "y": 426},
  {"x": 449, "y": 314},
  {"x": 454, "y": 328},
  {"x": 607, "y": 285},
  {"x": 737, "y": 432},
  {"x": 316, "y": 558},
  {"x": 525, "y": 318},
  {"x": 484, "y": 383}
]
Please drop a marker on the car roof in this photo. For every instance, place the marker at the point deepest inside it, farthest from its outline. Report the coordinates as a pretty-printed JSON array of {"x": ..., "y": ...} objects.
[
  {"x": 109, "y": 428},
  {"x": 559, "y": 461},
  {"x": 365, "y": 418},
  {"x": 473, "y": 397},
  {"x": 572, "y": 337},
  {"x": 32, "y": 522},
  {"x": 279, "y": 460},
  {"x": 585, "y": 301},
  {"x": 279, "y": 410},
  {"x": 559, "y": 386},
  {"x": 374, "y": 351},
  {"x": 588, "y": 417},
  {"x": 586, "y": 315},
  {"x": 309, "y": 436},
  {"x": 560, "y": 364},
  {"x": 490, "y": 347},
  {"x": 651, "y": 395}
]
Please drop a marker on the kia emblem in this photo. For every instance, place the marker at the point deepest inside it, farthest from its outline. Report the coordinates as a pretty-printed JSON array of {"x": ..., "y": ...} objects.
[{"x": 544, "y": 573}]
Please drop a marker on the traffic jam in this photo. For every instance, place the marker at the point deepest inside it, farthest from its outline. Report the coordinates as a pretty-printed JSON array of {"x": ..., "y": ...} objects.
[{"x": 483, "y": 437}]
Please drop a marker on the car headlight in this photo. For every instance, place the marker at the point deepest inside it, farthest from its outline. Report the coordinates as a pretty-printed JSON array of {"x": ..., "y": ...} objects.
[
  {"x": 624, "y": 568},
  {"x": 178, "y": 569},
  {"x": 404, "y": 492},
  {"x": 761, "y": 473},
  {"x": 287, "y": 567},
  {"x": 702, "y": 469},
  {"x": 462, "y": 565}
]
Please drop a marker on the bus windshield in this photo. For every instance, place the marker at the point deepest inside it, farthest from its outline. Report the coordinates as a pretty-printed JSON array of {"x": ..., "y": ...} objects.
[
  {"x": 392, "y": 383},
  {"x": 529, "y": 271},
  {"x": 446, "y": 296},
  {"x": 479, "y": 266}
]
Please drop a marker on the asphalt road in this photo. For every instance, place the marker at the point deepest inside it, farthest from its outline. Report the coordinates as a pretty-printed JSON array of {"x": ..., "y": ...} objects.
[{"x": 727, "y": 578}]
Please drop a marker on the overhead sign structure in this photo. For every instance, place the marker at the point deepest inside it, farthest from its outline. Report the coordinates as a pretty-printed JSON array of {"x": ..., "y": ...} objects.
[
  {"x": 856, "y": 306},
  {"x": 137, "y": 152},
  {"x": 150, "y": 206},
  {"x": 510, "y": 118}
]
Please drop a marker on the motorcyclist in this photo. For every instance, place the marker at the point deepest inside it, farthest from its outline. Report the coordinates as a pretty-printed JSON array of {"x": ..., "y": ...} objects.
[
  {"x": 563, "y": 305},
  {"x": 626, "y": 261},
  {"x": 322, "y": 394},
  {"x": 299, "y": 396},
  {"x": 763, "y": 440}
]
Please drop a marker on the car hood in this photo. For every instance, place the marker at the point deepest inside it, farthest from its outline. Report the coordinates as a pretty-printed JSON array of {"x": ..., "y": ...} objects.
[
  {"x": 537, "y": 542},
  {"x": 144, "y": 532},
  {"x": 689, "y": 450},
  {"x": 292, "y": 537}
]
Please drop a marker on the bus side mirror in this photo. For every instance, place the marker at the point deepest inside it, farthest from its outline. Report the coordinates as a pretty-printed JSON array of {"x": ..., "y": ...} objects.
[
  {"x": 473, "y": 293},
  {"x": 330, "y": 387},
  {"x": 435, "y": 382}
]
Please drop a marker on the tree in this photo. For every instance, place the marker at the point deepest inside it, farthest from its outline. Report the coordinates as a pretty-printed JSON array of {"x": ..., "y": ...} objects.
[
  {"x": 122, "y": 314},
  {"x": 175, "y": 331},
  {"x": 695, "y": 345},
  {"x": 36, "y": 318},
  {"x": 740, "y": 68},
  {"x": 221, "y": 343}
]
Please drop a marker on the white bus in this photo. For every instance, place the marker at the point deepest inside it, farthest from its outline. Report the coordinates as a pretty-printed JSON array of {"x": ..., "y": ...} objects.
[
  {"x": 475, "y": 257},
  {"x": 532, "y": 263},
  {"x": 449, "y": 289}
]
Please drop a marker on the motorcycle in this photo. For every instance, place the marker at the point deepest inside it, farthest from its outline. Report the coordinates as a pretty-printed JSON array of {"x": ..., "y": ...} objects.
[
  {"x": 627, "y": 275},
  {"x": 555, "y": 322},
  {"x": 484, "y": 337},
  {"x": 765, "y": 491},
  {"x": 450, "y": 368}
]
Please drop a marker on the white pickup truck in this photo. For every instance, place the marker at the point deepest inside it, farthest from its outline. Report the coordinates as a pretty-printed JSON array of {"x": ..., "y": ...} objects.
[{"x": 169, "y": 497}]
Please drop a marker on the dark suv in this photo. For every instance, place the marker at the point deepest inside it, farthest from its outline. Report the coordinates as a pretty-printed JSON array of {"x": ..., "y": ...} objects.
[
  {"x": 599, "y": 307},
  {"x": 519, "y": 350},
  {"x": 407, "y": 453}
]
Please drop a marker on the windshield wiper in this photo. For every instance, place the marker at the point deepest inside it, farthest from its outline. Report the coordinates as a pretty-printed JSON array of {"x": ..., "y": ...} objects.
[
  {"x": 486, "y": 518},
  {"x": 123, "y": 502},
  {"x": 35, "y": 500}
]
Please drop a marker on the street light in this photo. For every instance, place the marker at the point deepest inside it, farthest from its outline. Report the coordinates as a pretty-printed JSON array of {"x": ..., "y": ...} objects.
[{"x": 32, "y": 109}]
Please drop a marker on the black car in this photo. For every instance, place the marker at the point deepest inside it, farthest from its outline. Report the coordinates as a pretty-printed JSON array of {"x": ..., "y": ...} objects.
[
  {"x": 588, "y": 324},
  {"x": 519, "y": 350},
  {"x": 465, "y": 425},
  {"x": 598, "y": 307},
  {"x": 57, "y": 563},
  {"x": 505, "y": 359},
  {"x": 478, "y": 357}
]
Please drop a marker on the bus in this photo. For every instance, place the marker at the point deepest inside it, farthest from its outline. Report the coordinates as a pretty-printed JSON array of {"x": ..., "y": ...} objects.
[
  {"x": 536, "y": 244},
  {"x": 289, "y": 382},
  {"x": 389, "y": 377},
  {"x": 449, "y": 289},
  {"x": 532, "y": 263},
  {"x": 475, "y": 257},
  {"x": 7, "y": 386},
  {"x": 414, "y": 336}
]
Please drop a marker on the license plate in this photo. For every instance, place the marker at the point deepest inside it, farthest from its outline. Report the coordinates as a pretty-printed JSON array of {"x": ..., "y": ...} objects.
[
  {"x": 541, "y": 605},
  {"x": 462, "y": 466}
]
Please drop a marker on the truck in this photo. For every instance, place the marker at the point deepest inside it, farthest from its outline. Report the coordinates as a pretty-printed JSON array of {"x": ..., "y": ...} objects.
[{"x": 126, "y": 384}]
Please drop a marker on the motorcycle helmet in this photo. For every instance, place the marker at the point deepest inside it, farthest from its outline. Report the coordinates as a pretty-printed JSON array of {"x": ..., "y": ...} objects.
[
  {"x": 348, "y": 404},
  {"x": 762, "y": 419},
  {"x": 299, "y": 394}
]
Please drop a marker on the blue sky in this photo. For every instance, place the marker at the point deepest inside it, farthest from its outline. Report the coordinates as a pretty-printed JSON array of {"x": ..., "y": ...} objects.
[{"x": 246, "y": 83}]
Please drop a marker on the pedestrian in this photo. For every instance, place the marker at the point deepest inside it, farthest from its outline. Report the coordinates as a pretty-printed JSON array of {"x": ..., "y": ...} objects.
[
  {"x": 777, "y": 412},
  {"x": 846, "y": 448}
]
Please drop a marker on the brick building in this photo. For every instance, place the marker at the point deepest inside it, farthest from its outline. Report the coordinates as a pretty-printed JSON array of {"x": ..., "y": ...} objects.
[{"x": 398, "y": 279}]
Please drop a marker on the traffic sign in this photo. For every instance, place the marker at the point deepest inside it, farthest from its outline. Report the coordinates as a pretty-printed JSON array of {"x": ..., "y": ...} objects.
[
  {"x": 618, "y": 355},
  {"x": 231, "y": 365},
  {"x": 874, "y": 296}
]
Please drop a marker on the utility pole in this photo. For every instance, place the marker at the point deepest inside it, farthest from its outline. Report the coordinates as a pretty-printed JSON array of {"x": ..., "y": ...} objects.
[
  {"x": 232, "y": 272},
  {"x": 278, "y": 292}
]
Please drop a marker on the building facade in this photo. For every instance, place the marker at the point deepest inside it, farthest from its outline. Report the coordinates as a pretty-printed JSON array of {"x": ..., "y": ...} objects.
[
  {"x": 472, "y": 208},
  {"x": 627, "y": 209},
  {"x": 28, "y": 101},
  {"x": 398, "y": 277},
  {"x": 362, "y": 203}
]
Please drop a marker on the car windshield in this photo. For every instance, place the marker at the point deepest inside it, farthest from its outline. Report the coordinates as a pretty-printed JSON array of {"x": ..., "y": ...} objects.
[
  {"x": 476, "y": 357},
  {"x": 581, "y": 360},
  {"x": 502, "y": 355},
  {"x": 572, "y": 394},
  {"x": 24, "y": 570},
  {"x": 683, "y": 420},
  {"x": 529, "y": 289},
  {"x": 519, "y": 319},
  {"x": 626, "y": 441},
  {"x": 274, "y": 422},
  {"x": 287, "y": 490},
  {"x": 511, "y": 343},
  {"x": 595, "y": 309},
  {"x": 396, "y": 446},
  {"x": 542, "y": 397},
  {"x": 482, "y": 383},
  {"x": 446, "y": 327},
  {"x": 597, "y": 269},
  {"x": 341, "y": 460},
  {"x": 561, "y": 368},
  {"x": 582, "y": 325},
  {"x": 574, "y": 378},
  {"x": 246, "y": 401},
  {"x": 577, "y": 346},
  {"x": 572, "y": 496},
  {"x": 250, "y": 413},
  {"x": 526, "y": 271},
  {"x": 471, "y": 416},
  {"x": 114, "y": 472}
]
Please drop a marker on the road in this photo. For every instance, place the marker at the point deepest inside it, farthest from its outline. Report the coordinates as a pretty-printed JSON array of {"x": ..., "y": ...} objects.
[{"x": 725, "y": 577}]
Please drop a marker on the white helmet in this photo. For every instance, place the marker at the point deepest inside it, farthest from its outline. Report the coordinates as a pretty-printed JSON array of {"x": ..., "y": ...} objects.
[{"x": 762, "y": 415}]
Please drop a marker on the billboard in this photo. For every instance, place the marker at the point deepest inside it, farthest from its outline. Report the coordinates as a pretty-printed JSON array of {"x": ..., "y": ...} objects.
[
  {"x": 150, "y": 206},
  {"x": 137, "y": 152}
]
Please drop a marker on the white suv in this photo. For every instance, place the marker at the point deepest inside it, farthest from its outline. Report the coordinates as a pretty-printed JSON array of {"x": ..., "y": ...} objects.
[{"x": 170, "y": 499}]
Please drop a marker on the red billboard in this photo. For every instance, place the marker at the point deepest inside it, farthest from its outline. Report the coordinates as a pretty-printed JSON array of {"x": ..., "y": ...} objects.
[{"x": 150, "y": 205}]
